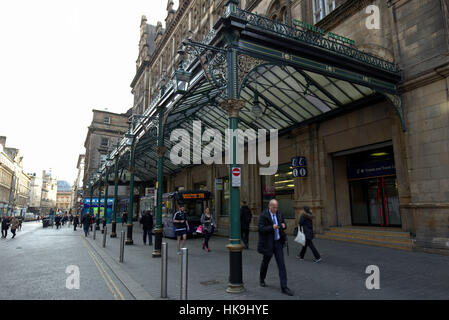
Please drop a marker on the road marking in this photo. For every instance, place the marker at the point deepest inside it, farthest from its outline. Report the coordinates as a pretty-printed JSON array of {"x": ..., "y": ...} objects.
[{"x": 104, "y": 274}]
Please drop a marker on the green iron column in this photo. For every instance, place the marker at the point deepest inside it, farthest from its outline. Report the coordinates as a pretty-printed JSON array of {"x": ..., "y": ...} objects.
[
  {"x": 129, "y": 234},
  {"x": 114, "y": 214},
  {"x": 97, "y": 220},
  {"x": 232, "y": 107},
  {"x": 91, "y": 209},
  {"x": 106, "y": 187},
  {"x": 160, "y": 150}
]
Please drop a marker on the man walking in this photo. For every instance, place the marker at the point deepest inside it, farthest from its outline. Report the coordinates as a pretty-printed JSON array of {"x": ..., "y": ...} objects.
[
  {"x": 147, "y": 224},
  {"x": 245, "y": 221},
  {"x": 5, "y": 226},
  {"x": 271, "y": 241},
  {"x": 181, "y": 226}
]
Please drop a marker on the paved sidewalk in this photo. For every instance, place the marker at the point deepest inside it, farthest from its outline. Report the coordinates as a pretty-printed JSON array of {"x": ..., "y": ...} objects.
[{"x": 341, "y": 275}]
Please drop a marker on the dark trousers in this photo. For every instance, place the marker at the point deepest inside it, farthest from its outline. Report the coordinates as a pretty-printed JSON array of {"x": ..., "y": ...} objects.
[
  {"x": 207, "y": 236},
  {"x": 279, "y": 256},
  {"x": 74, "y": 227},
  {"x": 309, "y": 243},
  {"x": 150, "y": 237},
  {"x": 245, "y": 237},
  {"x": 13, "y": 231},
  {"x": 4, "y": 233}
]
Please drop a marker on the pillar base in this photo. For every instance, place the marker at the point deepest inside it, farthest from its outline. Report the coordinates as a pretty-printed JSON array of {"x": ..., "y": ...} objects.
[
  {"x": 129, "y": 236},
  {"x": 129, "y": 242},
  {"x": 235, "y": 268},
  {"x": 158, "y": 232},
  {"x": 97, "y": 227},
  {"x": 114, "y": 229},
  {"x": 113, "y": 235},
  {"x": 235, "y": 289}
]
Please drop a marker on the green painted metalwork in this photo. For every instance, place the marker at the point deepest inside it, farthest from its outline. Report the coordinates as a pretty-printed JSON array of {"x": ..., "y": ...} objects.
[{"x": 314, "y": 39}]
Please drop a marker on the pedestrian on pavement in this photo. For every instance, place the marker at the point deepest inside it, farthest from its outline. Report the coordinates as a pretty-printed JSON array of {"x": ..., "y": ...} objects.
[
  {"x": 92, "y": 221},
  {"x": 208, "y": 224},
  {"x": 181, "y": 226},
  {"x": 5, "y": 226},
  {"x": 70, "y": 220},
  {"x": 76, "y": 221},
  {"x": 58, "y": 221},
  {"x": 124, "y": 218},
  {"x": 272, "y": 239},
  {"x": 14, "y": 225},
  {"x": 87, "y": 222},
  {"x": 147, "y": 224},
  {"x": 245, "y": 221},
  {"x": 306, "y": 223}
]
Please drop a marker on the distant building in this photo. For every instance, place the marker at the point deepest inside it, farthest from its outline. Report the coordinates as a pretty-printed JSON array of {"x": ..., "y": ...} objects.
[
  {"x": 77, "y": 189},
  {"x": 103, "y": 134},
  {"x": 64, "y": 196},
  {"x": 49, "y": 192},
  {"x": 35, "y": 193}
]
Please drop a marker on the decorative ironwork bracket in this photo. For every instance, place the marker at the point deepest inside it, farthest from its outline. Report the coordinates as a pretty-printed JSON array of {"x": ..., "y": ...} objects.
[{"x": 396, "y": 101}]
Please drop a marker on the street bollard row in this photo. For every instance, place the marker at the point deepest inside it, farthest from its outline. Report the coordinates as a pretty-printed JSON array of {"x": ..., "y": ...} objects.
[
  {"x": 122, "y": 245},
  {"x": 104, "y": 236},
  {"x": 164, "y": 270}
]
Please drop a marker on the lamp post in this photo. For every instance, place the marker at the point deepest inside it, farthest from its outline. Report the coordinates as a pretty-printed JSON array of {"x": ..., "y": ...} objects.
[
  {"x": 114, "y": 214},
  {"x": 160, "y": 150},
  {"x": 91, "y": 196},
  {"x": 97, "y": 220},
  {"x": 130, "y": 142},
  {"x": 106, "y": 189}
]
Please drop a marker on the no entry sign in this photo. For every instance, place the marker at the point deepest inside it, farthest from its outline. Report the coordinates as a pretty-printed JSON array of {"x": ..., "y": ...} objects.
[{"x": 236, "y": 177}]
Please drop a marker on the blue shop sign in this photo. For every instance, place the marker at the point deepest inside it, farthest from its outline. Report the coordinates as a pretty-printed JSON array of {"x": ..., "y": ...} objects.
[
  {"x": 372, "y": 170},
  {"x": 299, "y": 162}
]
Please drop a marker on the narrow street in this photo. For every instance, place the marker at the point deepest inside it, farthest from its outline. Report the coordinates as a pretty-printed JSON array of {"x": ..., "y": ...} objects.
[{"x": 34, "y": 265}]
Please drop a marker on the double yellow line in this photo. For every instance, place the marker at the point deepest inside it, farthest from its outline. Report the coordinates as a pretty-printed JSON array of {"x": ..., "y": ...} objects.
[{"x": 107, "y": 279}]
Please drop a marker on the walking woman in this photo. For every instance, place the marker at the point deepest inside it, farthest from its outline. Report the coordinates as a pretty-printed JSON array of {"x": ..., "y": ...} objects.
[
  {"x": 208, "y": 224},
  {"x": 305, "y": 222}
]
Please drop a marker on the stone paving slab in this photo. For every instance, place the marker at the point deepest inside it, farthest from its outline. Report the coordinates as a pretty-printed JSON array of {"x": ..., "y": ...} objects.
[{"x": 341, "y": 275}]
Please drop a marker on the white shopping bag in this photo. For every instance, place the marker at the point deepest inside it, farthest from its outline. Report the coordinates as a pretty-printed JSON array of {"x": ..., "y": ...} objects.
[{"x": 301, "y": 238}]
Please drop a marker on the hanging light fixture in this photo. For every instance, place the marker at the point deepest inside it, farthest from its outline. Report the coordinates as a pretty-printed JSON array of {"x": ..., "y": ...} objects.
[
  {"x": 257, "y": 110},
  {"x": 182, "y": 77}
]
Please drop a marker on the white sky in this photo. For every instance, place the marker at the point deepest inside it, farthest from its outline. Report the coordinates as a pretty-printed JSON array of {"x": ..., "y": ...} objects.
[{"x": 59, "y": 59}]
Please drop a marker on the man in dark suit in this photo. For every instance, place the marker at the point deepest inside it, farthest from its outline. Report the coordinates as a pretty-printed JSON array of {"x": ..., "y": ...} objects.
[{"x": 272, "y": 238}]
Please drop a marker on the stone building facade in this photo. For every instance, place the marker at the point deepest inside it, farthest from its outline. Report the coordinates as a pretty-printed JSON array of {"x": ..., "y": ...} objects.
[
  {"x": 49, "y": 193},
  {"x": 19, "y": 182},
  {"x": 412, "y": 194},
  {"x": 103, "y": 134}
]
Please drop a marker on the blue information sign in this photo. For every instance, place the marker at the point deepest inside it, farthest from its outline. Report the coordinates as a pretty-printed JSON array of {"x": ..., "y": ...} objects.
[{"x": 299, "y": 165}]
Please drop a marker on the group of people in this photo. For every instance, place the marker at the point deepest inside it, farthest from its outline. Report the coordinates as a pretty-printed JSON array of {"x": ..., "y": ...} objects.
[
  {"x": 12, "y": 223},
  {"x": 272, "y": 236}
]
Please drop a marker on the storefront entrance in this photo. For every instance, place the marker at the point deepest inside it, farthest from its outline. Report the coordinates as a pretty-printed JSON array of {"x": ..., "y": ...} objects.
[{"x": 373, "y": 188}]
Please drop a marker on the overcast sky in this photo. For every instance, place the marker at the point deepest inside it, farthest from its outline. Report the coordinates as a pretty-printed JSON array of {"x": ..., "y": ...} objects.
[{"x": 59, "y": 59}]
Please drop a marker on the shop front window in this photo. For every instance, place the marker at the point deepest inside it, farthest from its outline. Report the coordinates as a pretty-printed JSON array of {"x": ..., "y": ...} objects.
[{"x": 281, "y": 187}]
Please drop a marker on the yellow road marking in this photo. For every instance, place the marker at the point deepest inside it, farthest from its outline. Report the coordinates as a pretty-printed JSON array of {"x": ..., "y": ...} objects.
[{"x": 103, "y": 272}]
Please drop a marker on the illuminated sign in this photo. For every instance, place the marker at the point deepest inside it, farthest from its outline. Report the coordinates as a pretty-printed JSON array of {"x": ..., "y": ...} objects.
[
  {"x": 331, "y": 35},
  {"x": 193, "y": 196}
]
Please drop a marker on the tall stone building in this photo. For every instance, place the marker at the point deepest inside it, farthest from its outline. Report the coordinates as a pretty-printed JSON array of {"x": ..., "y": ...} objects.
[
  {"x": 19, "y": 182},
  {"x": 383, "y": 162},
  {"x": 103, "y": 134},
  {"x": 35, "y": 193},
  {"x": 49, "y": 192},
  {"x": 77, "y": 190}
]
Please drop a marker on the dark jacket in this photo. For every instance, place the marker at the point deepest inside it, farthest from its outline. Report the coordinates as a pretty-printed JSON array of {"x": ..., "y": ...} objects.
[
  {"x": 307, "y": 225},
  {"x": 245, "y": 217},
  {"x": 5, "y": 223},
  {"x": 147, "y": 221},
  {"x": 266, "y": 233},
  {"x": 86, "y": 221},
  {"x": 76, "y": 221}
]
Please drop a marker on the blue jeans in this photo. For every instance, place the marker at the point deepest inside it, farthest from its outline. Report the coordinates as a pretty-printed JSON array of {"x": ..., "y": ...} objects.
[{"x": 150, "y": 238}]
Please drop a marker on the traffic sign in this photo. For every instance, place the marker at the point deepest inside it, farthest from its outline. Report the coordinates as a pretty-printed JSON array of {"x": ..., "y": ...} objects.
[{"x": 236, "y": 177}]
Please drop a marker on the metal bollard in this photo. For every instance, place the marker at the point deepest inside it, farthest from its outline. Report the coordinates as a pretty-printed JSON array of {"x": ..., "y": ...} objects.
[
  {"x": 164, "y": 270},
  {"x": 122, "y": 245},
  {"x": 184, "y": 271},
  {"x": 95, "y": 234},
  {"x": 104, "y": 237}
]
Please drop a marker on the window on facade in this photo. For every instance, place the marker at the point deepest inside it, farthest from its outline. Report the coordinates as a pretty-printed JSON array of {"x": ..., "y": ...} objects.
[
  {"x": 281, "y": 187},
  {"x": 322, "y": 8},
  {"x": 104, "y": 142},
  {"x": 107, "y": 120}
]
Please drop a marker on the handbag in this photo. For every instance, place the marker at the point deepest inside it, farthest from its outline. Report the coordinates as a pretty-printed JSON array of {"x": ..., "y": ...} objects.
[
  {"x": 199, "y": 229},
  {"x": 301, "y": 238}
]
